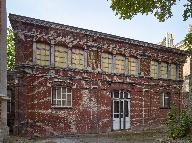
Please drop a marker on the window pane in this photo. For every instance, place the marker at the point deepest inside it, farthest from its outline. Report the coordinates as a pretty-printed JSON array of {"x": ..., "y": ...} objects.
[
  {"x": 164, "y": 70},
  {"x": 42, "y": 54},
  {"x": 68, "y": 90},
  {"x": 132, "y": 63},
  {"x": 60, "y": 56},
  {"x": 53, "y": 93},
  {"x": 126, "y": 95},
  {"x": 69, "y": 97},
  {"x": 116, "y": 106},
  {"x": 63, "y": 96},
  {"x": 126, "y": 108},
  {"x": 154, "y": 69},
  {"x": 77, "y": 58},
  {"x": 58, "y": 102},
  {"x": 63, "y": 102},
  {"x": 116, "y": 94},
  {"x": 120, "y": 64},
  {"x": 68, "y": 103},
  {"x": 58, "y": 93},
  {"x": 106, "y": 62},
  {"x": 173, "y": 72},
  {"x": 54, "y": 102}
]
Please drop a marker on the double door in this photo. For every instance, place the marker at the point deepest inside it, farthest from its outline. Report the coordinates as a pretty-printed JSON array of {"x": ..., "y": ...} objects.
[{"x": 121, "y": 110}]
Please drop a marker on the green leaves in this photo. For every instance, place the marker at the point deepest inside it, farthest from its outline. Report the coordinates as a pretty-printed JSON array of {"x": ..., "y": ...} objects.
[
  {"x": 10, "y": 49},
  {"x": 179, "y": 126},
  {"x": 162, "y": 9},
  {"x": 188, "y": 11},
  {"x": 188, "y": 41}
]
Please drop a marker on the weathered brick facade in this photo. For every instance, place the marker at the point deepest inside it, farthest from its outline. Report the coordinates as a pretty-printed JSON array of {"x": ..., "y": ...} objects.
[{"x": 91, "y": 110}]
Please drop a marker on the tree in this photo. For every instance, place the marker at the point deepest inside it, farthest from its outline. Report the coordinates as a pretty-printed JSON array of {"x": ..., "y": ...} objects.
[
  {"x": 127, "y": 9},
  {"x": 161, "y": 9},
  {"x": 188, "y": 41},
  {"x": 10, "y": 49}
]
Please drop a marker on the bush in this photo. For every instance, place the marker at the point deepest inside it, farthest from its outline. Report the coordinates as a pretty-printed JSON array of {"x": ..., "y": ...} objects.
[{"x": 179, "y": 125}]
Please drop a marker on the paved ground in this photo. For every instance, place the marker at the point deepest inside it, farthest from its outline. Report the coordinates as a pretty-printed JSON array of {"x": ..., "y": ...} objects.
[
  {"x": 85, "y": 140},
  {"x": 142, "y": 137}
]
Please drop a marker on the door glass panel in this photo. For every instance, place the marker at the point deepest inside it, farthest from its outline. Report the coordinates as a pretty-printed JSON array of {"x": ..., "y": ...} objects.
[
  {"x": 116, "y": 94},
  {"x": 126, "y": 95},
  {"x": 121, "y": 95},
  {"x": 126, "y": 111},
  {"x": 116, "y": 106},
  {"x": 121, "y": 107},
  {"x": 116, "y": 115}
]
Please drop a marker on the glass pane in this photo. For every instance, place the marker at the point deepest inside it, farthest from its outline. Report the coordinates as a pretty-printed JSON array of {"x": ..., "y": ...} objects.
[
  {"x": 116, "y": 94},
  {"x": 53, "y": 93},
  {"x": 68, "y": 90},
  {"x": 126, "y": 95},
  {"x": 126, "y": 111},
  {"x": 58, "y": 102},
  {"x": 121, "y": 107},
  {"x": 64, "y": 96},
  {"x": 68, "y": 103},
  {"x": 69, "y": 97},
  {"x": 63, "y": 102},
  {"x": 63, "y": 90},
  {"x": 116, "y": 115},
  {"x": 54, "y": 102},
  {"x": 121, "y": 95},
  {"x": 58, "y": 93},
  {"x": 116, "y": 106}
]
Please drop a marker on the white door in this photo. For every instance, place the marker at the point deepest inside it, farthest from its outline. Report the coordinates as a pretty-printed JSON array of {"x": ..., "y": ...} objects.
[{"x": 121, "y": 110}]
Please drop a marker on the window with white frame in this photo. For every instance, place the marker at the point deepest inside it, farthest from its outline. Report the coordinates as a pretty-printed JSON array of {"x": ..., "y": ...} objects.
[
  {"x": 42, "y": 54},
  {"x": 154, "y": 69},
  {"x": 133, "y": 66},
  {"x": 164, "y": 70},
  {"x": 106, "y": 62},
  {"x": 165, "y": 100},
  {"x": 120, "y": 64},
  {"x": 173, "y": 72},
  {"x": 62, "y": 97},
  {"x": 77, "y": 58},
  {"x": 61, "y": 56}
]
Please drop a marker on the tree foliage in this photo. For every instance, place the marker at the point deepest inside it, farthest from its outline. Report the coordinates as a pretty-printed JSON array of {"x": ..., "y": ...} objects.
[
  {"x": 162, "y": 9},
  {"x": 179, "y": 125},
  {"x": 188, "y": 41},
  {"x": 10, "y": 49}
]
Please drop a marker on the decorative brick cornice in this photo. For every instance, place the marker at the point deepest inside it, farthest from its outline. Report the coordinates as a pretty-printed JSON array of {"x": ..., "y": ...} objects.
[{"x": 34, "y": 21}]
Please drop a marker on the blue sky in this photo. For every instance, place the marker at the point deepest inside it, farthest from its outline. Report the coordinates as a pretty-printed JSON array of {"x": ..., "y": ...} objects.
[{"x": 97, "y": 15}]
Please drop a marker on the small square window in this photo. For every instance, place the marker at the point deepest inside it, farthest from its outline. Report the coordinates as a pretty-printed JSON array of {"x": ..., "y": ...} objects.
[{"x": 62, "y": 97}]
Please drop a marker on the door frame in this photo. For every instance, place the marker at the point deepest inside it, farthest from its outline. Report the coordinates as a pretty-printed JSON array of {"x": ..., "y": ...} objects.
[{"x": 122, "y": 96}]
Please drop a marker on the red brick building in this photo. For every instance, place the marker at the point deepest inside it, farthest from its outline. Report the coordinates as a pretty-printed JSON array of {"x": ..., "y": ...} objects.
[{"x": 70, "y": 80}]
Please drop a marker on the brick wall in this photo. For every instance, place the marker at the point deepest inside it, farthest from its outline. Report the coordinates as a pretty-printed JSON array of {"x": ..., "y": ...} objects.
[{"x": 91, "y": 111}]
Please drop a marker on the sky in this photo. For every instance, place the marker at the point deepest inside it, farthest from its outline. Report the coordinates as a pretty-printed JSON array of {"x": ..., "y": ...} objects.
[{"x": 97, "y": 15}]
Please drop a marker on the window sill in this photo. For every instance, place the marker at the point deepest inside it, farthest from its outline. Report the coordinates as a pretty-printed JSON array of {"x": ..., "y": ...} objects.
[
  {"x": 60, "y": 107},
  {"x": 165, "y": 108}
]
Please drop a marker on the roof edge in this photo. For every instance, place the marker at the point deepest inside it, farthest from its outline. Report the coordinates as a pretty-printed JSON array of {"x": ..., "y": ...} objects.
[{"x": 90, "y": 32}]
